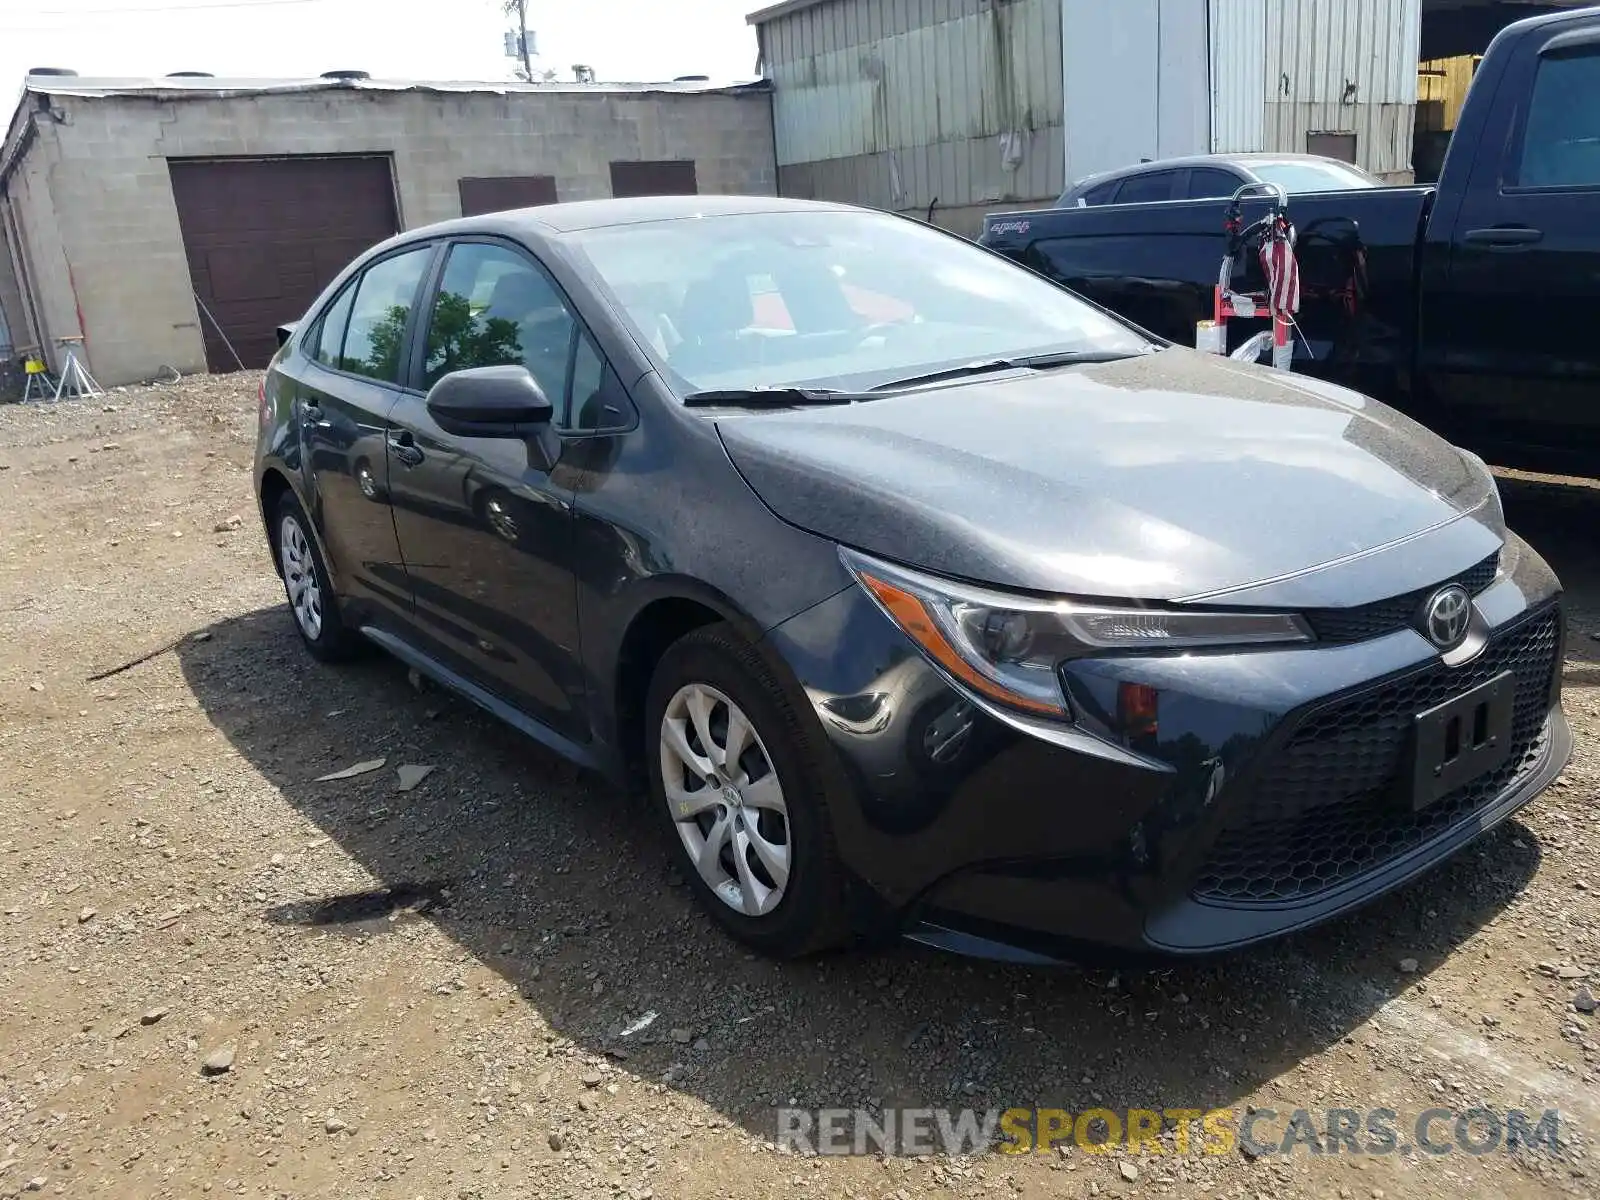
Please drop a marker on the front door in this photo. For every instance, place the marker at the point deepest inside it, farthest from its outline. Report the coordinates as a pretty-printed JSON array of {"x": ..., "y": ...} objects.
[
  {"x": 345, "y": 388},
  {"x": 1509, "y": 348},
  {"x": 487, "y": 535}
]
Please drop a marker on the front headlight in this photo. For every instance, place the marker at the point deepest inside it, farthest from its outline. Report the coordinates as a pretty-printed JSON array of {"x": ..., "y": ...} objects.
[{"x": 1007, "y": 648}]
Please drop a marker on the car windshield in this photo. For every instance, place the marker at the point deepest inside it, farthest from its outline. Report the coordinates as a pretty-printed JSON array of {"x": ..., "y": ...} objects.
[
  {"x": 831, "y": 298},
  {"x": 1313, "y": 177}
]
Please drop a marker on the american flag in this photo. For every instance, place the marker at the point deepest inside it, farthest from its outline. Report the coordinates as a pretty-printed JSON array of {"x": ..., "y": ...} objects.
[{"x": 1282, "y": 271}]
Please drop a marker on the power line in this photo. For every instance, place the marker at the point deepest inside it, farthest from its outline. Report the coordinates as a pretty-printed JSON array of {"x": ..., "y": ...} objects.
[{"x": 157, "y": 8}]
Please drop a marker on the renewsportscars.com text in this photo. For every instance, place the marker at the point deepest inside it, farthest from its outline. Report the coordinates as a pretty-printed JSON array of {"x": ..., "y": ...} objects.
[{"x": 1259, "y": 1132}]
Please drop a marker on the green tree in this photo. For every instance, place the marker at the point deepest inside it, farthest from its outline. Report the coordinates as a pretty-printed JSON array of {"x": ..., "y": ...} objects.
[
  {"x": 459, "y": 338},
  {"x": 383, "y": 346}
]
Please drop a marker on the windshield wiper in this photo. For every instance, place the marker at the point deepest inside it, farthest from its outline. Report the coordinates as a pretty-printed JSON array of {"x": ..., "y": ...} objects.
[
  {"x": 1027, "y": 362},
  {"x": 768, "y": 397}
]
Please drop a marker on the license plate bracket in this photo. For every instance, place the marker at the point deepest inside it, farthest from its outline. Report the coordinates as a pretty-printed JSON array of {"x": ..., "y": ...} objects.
[{"x": 1467, "y": 736}]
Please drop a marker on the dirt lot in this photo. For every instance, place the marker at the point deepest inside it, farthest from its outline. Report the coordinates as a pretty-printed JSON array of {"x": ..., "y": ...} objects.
[{"x": 170, "y": 875}]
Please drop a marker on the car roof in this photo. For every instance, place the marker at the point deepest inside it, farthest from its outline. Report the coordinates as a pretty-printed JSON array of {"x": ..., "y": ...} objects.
[
  {"x": 554, "y": 220},
  {"x": 1242, "y": 159}
]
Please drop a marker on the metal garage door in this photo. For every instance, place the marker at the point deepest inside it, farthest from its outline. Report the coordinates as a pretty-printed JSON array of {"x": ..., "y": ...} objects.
[{"x": 264, "y": 236}]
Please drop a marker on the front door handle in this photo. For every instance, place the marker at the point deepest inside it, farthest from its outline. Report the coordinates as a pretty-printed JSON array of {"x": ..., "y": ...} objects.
[
  {"x": 1503, "y": 237},
  {"x": 404, "y": 447}
]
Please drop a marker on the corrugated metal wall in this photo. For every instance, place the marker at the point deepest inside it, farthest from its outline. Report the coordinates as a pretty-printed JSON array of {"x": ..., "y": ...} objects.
[
  {"x": 1284, "y": 68},
  {"x": 897, "y": 103},
  {"x": 1238, "y": 75}
]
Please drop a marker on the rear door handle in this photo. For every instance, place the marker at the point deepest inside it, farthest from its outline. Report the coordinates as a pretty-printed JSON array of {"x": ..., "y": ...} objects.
[
  {"x": 313, "y": 413},
  {"x": 1503, "y": 236},
  {"x": 404, "y": 447}
]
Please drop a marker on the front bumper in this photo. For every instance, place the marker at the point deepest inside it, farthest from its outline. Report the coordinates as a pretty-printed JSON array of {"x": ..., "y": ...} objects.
[{"x": 1262, "y": 805}]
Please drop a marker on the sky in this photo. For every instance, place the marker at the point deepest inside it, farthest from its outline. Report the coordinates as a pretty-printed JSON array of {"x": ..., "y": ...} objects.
[{"x": 624, "y": 40}]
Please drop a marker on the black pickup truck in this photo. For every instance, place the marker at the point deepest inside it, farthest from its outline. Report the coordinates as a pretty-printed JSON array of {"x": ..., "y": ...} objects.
[{"x": 1473, "y": 305}]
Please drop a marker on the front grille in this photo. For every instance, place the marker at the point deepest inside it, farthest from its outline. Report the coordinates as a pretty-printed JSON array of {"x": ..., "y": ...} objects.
[
  {"x": 1323, "y": 810},
  {"x": 1385, "y": 616}
]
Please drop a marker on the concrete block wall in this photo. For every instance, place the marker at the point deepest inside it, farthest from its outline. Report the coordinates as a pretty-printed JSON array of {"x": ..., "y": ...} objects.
[
  {"x": 107, "y": 237},
  {"x": 31, "y": 211}
]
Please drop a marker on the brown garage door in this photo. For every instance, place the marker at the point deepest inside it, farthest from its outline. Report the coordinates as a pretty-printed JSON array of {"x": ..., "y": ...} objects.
[
  {"x": 264, "y": 236},
  {"x": 497, "y": 194},
  {"x": 671, "y": 177}
]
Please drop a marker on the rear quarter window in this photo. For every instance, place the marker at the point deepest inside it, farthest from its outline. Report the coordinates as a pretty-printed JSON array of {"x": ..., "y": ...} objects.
[{"x": 327, "y": 335}]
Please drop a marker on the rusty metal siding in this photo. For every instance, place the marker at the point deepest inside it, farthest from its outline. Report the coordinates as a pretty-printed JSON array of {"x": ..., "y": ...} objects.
[
  {"x": 1318, "y": 49},
  {"x": 1384, "y": 132},
  {"x": 899, "y": 103},
  {"x": 1344, "y": 65},
  {"x": 1284, "y": 68}
]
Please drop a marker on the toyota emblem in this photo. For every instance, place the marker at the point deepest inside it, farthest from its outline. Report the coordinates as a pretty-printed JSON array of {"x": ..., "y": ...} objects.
[{"x": 1445, "y": 616}]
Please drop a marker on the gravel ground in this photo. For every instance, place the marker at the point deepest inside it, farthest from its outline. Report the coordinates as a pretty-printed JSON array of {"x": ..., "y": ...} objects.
[{"x": 204, "y": 987}]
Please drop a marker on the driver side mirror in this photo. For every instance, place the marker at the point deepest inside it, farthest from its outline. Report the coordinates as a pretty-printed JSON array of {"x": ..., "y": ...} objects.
[
  {"x": 489, "y": 401},
  {"x": 497, "y": 402}
]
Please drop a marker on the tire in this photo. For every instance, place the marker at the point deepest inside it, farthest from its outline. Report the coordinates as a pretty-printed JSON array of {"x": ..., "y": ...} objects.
[
  {"x": 716, "y": 671},
  {"x": 313, "y": 607}
]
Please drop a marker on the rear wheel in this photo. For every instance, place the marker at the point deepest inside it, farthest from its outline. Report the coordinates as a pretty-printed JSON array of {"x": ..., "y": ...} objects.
[
  {"x": 305, "y": 582},
  {"x": 737, "y": 779}
]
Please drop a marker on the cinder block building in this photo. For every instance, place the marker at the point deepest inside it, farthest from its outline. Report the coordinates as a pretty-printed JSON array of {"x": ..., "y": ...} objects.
[{"x": 176, "y": 222}]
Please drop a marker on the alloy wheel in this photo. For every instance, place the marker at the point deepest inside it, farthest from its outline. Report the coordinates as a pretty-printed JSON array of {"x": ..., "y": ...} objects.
[{"x": 725, "y": 799}]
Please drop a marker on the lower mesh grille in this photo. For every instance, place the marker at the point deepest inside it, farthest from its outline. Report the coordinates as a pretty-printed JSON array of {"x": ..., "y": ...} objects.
[{"x": 1322, "y": 811}]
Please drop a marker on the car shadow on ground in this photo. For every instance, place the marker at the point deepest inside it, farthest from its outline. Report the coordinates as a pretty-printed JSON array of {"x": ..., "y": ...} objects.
[{"x": 559, "y": 882}]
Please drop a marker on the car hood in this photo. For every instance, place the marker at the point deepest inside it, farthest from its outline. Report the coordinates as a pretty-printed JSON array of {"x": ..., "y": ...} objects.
[{"x": 1172, "y": 476}]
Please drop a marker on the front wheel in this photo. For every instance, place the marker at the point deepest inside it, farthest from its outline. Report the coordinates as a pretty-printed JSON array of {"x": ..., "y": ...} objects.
[{"x": 738, "y": 780}]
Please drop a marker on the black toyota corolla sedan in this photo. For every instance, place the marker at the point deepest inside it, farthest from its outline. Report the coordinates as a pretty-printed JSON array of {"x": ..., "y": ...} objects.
[{"x": 921, "y": 595}]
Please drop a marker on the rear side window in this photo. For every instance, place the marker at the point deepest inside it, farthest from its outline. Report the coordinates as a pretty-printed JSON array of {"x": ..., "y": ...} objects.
[
  {"x": 1561, "y": 145},
  {"x": 327, "y": 338},
  {"x": 1140, "y": 189},
  {"x": 383, "y": 301},
  {"x": 1207, "y": 183}
]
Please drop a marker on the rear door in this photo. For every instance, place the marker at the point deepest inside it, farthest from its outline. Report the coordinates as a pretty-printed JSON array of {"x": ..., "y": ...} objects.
[
  {"x": 346, "y": 386},
  {"x": 486, "y": 535},
  {"x": 1508, "y": 346}
]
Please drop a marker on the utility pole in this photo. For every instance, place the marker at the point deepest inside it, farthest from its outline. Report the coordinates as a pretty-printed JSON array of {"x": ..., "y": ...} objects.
[{"x": 519, "y": 10}]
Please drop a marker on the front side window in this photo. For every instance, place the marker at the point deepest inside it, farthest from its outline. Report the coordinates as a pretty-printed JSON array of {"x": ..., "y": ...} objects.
[
  {"x": 1561, "y": 145},
  {"x": 829, "y": 298},
  {"x": 495, "y": 308},
  {"x": 383, "y": 301},
  {"x": 1208, "y": 183},
  {"x": 588, "y": 403},
  {"x": 1142, "y": 189}
]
